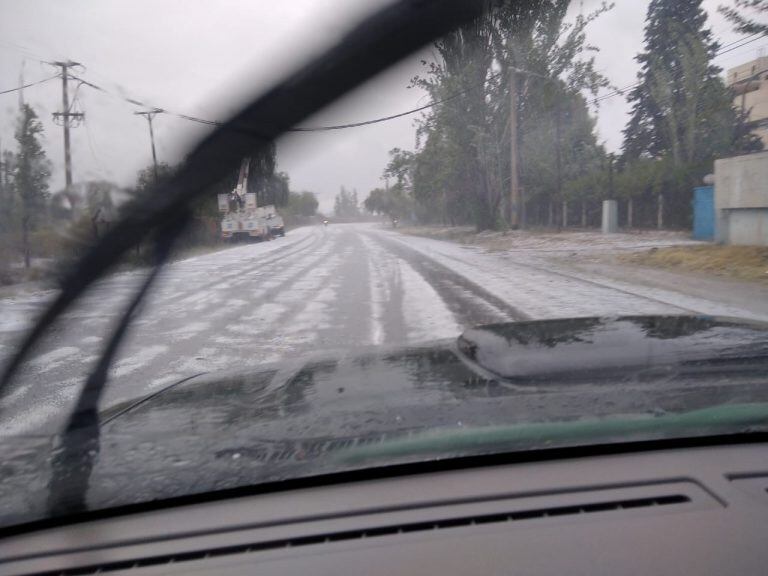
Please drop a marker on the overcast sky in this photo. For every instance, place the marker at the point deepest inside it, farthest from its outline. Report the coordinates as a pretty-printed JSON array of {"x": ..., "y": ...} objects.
[{"x": 204, "y": 58}]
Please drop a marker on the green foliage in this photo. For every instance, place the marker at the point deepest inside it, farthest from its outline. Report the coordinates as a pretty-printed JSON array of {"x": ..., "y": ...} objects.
[
  {"x": 392, "y": 202},
  {"x": 747, "y": 16},
  {"x": 31, "y": 176},
  {"x": 464, "y": 164},
  {"x": 683, "y": 116},
  {"x": 302, "y": 204},
  {"x": 274, "y": 189},
  {"x": 145, "y": 185},
  {"x": 8, "y": 197},
  {"x": 269, "y": 186},
  {"x": 145, "y": 179}
]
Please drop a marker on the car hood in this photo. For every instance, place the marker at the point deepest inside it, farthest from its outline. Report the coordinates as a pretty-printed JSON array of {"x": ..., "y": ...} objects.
[{"x": 301, "y": 418}]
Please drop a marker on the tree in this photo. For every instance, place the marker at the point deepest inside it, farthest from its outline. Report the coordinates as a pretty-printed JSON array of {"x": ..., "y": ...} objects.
[
  {"x": 437, "y": 180},
  {"x": 32, "y": 173},
  {"x": 390, "y": 202},
  {"x": 302, "y": 204},
  {"x": 473, "y": 78},
  {"x": 560, "y": 156},
  {"x": 743, "y": 16},
  {"x": 683, "y": 114},
  {"x": 274, "y": 189},
  {"x": 7, "y": 192},
  {"x": 346, "y": 205},
  {"x": 270, "y": 187},
  {"x": 145, "y": 178},
  {"x": 678, "y": 49}
]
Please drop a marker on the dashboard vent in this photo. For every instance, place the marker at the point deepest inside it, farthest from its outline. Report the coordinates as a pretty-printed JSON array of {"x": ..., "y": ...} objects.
[
  {"x": 518, "y": 516},
  {"x": 755, "y": 485}
]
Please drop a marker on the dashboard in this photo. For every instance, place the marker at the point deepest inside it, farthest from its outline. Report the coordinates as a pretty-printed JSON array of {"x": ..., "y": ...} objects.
[{"x": 700, "y": 510}]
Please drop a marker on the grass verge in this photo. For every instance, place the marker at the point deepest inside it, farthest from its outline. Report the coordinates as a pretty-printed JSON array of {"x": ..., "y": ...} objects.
[{"x": 738, "y": 262}]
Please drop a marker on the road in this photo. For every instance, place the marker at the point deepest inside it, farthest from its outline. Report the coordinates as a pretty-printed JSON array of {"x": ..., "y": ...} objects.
[{"x": 318, "y": 291}]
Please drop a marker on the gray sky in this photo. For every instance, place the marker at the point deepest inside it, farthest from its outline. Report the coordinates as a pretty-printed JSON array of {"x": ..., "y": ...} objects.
[{"x": 203, "y": 58}]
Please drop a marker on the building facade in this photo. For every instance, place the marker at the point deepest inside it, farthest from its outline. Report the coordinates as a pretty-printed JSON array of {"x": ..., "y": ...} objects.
[{"x": 750, "y": 85}]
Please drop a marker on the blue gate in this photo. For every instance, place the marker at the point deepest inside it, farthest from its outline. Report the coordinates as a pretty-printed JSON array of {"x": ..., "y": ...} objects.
[{"x": 704, "y": 213}]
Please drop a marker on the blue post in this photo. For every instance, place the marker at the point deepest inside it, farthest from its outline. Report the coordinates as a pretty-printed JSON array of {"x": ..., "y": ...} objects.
[{"x": 704, "y": 213}]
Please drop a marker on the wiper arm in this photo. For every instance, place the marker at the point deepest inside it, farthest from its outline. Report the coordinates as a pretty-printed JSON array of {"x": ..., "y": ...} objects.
[{"x": 73, "y": 461}]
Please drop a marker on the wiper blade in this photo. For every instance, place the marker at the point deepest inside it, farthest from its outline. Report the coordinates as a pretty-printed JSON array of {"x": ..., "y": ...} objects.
[{"x": 378, "y": 42}]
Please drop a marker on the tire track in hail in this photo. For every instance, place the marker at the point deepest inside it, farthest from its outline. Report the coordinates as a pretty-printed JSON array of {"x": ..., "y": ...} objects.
[
  {"x": 581, "y": 280},
  {"x": 459, "y": 293}
]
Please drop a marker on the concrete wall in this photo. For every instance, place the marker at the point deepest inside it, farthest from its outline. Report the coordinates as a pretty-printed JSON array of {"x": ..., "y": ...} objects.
[
  {"x": 748, "y": 226},
  {"x": 741, "y": 199}
]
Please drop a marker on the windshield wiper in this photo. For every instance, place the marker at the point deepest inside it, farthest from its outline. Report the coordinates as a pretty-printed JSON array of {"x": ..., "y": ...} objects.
[
  {"x": 73, "y": 461},
  {"x": 378, "y": 42},
  {"x": 381, "y": 40}
]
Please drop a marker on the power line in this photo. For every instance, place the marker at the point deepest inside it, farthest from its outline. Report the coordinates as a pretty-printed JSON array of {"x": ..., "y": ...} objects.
[
  {"x": 29, "y": 84},
  {"x": 730, "y": 47},
  {"x": 209, "y": 122},
  {"x": 616, "y": 92},
  {"x": 378, "y": 120},
  {"x": 204, "y": 121},
  {"x": 745, "y": 41}
]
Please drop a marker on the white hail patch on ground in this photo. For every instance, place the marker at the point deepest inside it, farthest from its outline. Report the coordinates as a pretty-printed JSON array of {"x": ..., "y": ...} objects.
[
  {"x": 426, "y": 315},
  {"x": 55, "y": 402},
  {"x": 164, "y": 381},
  {"x": 54, "y": 358},
  {"x": 138, "y": 359},
  {"x": 537, "y": 292},
  {"x": 378, "y": 288},
  {"x": 189, "y": 330}
]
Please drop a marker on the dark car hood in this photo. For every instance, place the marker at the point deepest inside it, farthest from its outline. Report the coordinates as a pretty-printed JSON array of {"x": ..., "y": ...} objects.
[{"x": 294, "y": 419}]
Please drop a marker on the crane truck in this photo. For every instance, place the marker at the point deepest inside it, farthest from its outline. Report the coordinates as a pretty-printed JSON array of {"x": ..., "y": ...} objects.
[{"x": 243, "y": 219}]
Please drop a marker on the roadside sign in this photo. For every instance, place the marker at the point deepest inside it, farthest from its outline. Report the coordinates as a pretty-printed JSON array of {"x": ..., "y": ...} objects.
[{"x": 223, "y": 202}]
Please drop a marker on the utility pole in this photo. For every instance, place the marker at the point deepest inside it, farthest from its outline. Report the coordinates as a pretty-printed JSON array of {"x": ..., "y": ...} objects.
[
  {"x": 514, "y": 169},
  {"x": 21, "y": 83},
  {"x": 65, "y": 115},
  {"x": 558, "y": 160},
  {"x": 150, "y": 115},
  {"x": 3, "y": 183}
]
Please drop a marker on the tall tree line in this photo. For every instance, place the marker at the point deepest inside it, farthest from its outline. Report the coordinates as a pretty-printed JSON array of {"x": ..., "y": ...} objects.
[
  {"x": 526, "y": 53},
  {"x": 460, "y": 170}
]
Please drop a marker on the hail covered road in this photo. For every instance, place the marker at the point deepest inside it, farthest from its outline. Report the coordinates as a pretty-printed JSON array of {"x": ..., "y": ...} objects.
[{"x": 318, "y": 291}]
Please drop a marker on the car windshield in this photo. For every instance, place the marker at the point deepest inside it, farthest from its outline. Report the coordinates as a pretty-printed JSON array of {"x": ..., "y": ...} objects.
[{"x": 247, "y": 242}]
